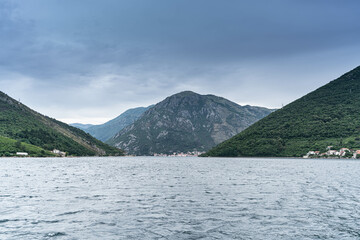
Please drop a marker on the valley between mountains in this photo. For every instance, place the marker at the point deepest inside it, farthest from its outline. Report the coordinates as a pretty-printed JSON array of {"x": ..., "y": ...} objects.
[{"x": 194, "y": 124}]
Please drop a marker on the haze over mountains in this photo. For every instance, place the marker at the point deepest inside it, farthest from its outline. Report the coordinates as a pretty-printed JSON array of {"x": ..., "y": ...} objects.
[
  {"x": 23, "y": 129},
  {"x": 328, "y": 116},
  {"x": 107, "y": 130},
  {"x": 186, "y": 122}
]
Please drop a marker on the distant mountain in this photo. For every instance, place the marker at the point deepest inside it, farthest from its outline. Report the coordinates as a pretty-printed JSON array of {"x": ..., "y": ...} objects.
[
  {"x": 184, "y": 122},
  {"x": 29, "y": 129},
  {"x": 81, "y": 126},
  {"x": 328, "y": 116},
  {"x": 107, "y": 130}
]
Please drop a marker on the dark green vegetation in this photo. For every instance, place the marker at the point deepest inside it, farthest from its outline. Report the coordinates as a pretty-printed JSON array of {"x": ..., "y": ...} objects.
[
  {"x": 20, "y": 123},
  {"x": 9, "y": 147},
  {"x": 186, "y": 122},
  {"x": 328, "y": 116},
  {"x": 107, "y": 130}
]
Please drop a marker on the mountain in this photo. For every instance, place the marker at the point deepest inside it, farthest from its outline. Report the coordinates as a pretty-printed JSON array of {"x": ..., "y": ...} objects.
[
  {"x": 184, "y": 122},
  {"x": 27, "y": 127},
  {"x": 328, "y": 116},
  {"x": 107, "y": 130},
  {"x": 81, "y": 126}
]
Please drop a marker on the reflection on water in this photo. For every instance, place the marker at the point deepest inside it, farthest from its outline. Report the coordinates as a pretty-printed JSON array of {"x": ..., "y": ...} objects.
[{"x": 179, "y": 198}]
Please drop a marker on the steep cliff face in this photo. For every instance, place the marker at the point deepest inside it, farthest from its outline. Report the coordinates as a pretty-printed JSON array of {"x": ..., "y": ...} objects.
[{"x": 186, "y": 122}]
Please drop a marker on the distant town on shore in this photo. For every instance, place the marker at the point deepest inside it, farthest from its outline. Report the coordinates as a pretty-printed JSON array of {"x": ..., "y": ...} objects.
[{"x": 331, "y": 153}]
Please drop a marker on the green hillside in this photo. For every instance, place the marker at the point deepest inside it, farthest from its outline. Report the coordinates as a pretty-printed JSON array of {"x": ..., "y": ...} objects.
[
  {"x": 9, "y": 147},
  {"x": 328, "y": 116},
  {"x": 20, "y": 123}
]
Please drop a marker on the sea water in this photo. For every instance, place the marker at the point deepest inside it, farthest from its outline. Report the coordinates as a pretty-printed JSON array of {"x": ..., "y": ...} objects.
[{"x": 179, "y": 198}]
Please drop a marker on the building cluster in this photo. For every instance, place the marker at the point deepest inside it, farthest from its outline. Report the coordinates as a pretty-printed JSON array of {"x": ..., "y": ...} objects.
[
  {"x": 188, "y": 154},
  {"x": 55, "y": 151},
  {"x": 59, "y": 153},
  {"x": 342, "y": 153}
]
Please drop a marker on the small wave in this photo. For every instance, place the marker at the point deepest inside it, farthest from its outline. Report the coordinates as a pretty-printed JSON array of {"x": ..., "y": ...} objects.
[
  {"x": 9, "y": 220},
  {"x": 98, "y": 196},
  {"x": 45, "y": 221},
  {"x": 55, "y": 234},
  {"x": 83, "y": 197},
  {"x": 105, "y": 223},
  {"x": 28, "y": 196},
  {"x": 70, "y": 213},
  {"x": 4, "y": 220}
]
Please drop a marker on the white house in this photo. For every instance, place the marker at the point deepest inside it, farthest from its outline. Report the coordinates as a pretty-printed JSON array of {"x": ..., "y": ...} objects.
[
  {"x": 58, "y": 152},
  {"x": 343, "y": 151},
  {"x": 311, "y": 153},
  {"x": 356, "y": 153},
  {"x": 22, "y": 154},
  {"x": 333, "y": 153}
]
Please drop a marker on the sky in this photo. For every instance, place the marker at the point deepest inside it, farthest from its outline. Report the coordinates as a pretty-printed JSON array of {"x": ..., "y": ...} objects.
[{"x": 88, "y": 61}]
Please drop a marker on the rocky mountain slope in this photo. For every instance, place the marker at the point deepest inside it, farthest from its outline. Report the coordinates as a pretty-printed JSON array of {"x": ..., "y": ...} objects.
[
  {"x": 107, "y": 130},
  {"x": 186, "y": 122},
  {"x": 327, "y": 116},
  {"x": 18, "y": 122}
]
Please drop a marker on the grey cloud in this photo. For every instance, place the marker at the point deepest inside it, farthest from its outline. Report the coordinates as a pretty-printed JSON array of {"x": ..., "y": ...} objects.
[{"x": 100, "y": 57}]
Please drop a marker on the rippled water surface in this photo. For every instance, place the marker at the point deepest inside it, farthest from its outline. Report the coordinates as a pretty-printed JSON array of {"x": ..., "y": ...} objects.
[{"x": 179, "y": 198}]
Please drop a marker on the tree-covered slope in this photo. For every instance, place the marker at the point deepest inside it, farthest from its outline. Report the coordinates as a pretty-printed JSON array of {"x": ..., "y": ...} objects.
[
  {"x": 9, "y": 148},
  {"x": 186, "y": 122},
  {"x": 327, "y": 116},
  {"x": 107, "y": 130},
  {"x": 20, "y": 123}
]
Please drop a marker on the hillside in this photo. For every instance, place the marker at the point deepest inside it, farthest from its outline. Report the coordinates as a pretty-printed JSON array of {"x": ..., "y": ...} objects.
[
  {"x": 20, "y": 123},
  {"x": 9, "y": 147},
  {"x": 186, "y": 122},
  {"x": 324, "y": 117},
  {"x": 107, "y": 130}
]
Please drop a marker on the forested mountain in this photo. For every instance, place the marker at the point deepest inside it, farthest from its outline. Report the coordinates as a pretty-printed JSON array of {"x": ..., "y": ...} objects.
[
  {"x": 20, "y": 123},
  {"x": 327, "y": 116}
]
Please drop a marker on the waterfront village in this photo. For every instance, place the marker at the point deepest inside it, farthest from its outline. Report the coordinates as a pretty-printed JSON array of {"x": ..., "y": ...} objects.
[
  {"x": 57, "y": 152},
  {"x": 330, "y": 153},
  {"x": 188, "y": 154}
]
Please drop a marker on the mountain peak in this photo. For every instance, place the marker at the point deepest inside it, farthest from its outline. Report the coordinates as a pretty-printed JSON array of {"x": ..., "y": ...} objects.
[
  {"x": 186, "y": 122},
  {"x": 185, "y": 93}
]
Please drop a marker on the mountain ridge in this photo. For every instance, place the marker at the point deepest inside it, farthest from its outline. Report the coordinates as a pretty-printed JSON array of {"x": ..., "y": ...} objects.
[
  {"x": 105, "y": 131},
  {"x": 326, "y": 116},
  {"x": 184, "y": 122},
  {"x": 19, "y": 122}
]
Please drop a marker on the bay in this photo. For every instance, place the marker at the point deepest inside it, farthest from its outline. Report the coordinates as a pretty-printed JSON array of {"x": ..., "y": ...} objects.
[{"x": 179, "y": 198}]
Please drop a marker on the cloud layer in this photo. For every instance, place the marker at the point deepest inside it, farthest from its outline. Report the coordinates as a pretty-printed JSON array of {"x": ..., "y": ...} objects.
[{"x": 88, "y": 61}]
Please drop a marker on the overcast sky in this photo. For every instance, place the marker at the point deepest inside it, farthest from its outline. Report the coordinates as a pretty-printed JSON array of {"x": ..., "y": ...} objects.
[{"x": 88, "y": 60}]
